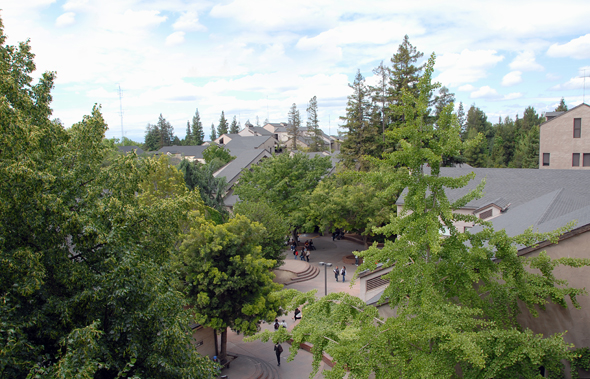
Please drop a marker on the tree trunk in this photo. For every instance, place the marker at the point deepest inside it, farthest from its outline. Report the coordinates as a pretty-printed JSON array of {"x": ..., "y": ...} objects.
[
  {"x": 223, "y": 355},
  {"x": 216, "y": 345},
  {"x": 366, "y": 240},
  {"x": 294, "y": 235}
]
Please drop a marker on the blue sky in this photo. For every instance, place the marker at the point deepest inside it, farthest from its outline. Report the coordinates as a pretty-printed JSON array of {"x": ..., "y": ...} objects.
[{"x": 254, "y": 58}]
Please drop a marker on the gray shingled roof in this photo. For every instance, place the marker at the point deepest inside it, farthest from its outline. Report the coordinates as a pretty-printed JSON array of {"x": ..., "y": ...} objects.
[
  {"x": 260, "y": 130},
  {"x": 233, "y": 169},
  {"x": 239, "y": 144},
  {"x": 192, "y": 151},
  {"x": 543, "y": 199},
  {"x": 553, "y": 115}
]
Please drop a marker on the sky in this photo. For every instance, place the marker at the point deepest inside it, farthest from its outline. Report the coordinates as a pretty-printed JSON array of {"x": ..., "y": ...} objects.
[{"x": 255, "y": 58}]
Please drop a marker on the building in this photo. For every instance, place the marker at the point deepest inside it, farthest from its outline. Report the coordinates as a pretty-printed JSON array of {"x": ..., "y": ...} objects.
[
  {"x": 565, "y": 139},
  {"x": 190, "y": 153},
  {"x": 514, "y": 200}
]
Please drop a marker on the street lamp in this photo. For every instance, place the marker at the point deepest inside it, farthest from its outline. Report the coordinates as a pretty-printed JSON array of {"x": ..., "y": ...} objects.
[{"x": 326, "y": 265}]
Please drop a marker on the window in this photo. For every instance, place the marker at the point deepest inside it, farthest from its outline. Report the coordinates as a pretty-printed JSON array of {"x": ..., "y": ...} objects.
[
  {"x": 546, "y": 159},
  {"x": 575, "y": 159},
  {"x": 577, "y": 127},
  {"x": 486, "y": 214},
  {"x": 586, "y": 160}
]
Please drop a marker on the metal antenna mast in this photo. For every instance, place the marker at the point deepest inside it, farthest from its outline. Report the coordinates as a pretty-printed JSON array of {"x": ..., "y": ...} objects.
[
  {"x": 121, "y": 112},
  {"x": 584, "y": 93},
  {"x": 329, "y": 134}
]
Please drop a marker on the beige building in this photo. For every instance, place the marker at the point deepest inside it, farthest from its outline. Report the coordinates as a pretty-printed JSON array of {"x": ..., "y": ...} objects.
[{"x": 565, "y": 139}]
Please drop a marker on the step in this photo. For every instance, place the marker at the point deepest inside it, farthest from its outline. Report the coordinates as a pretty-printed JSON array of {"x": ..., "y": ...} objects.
[{"x": 310, "y": 275}]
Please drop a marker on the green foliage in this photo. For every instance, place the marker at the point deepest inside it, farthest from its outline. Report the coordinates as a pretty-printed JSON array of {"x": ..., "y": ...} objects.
[
  {"x": 222, "y": 127},
  {"x": 84, "y": 287},
  {"x": 227, "y": 281},
  {"x": 285, "y": 183},
  {"x": 213, "y": 152},
  {"x": 234, "y": 128},
  {"x": 212, "y": 136},
  {"x": 313, "y": 126},
  {"x": 197, "y": 132},
  {"x": 200, "y": 177},
  {"x": 580, "y": 359},
  {"x": 455, "y": 298},
  {"x": 562, "y": 107},
  {"x": 404, "y": 72},
  {"x": 273, "y": 239}
]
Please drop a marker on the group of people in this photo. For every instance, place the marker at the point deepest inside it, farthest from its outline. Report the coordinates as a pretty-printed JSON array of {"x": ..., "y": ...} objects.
[
  {"x": 304, "y": 253},
  {"x": 341, "y": 271}
]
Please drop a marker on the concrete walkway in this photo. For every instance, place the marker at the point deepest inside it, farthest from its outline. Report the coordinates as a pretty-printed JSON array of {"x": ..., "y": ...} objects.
[{"x": 300, "y": 367}]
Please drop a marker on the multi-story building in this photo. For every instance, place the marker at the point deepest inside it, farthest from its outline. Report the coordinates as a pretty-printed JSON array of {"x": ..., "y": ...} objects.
[{"x": 565, "y": 139}]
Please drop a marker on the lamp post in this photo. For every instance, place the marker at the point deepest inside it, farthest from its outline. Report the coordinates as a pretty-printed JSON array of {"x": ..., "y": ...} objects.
[{"x": 326, "y": 265}]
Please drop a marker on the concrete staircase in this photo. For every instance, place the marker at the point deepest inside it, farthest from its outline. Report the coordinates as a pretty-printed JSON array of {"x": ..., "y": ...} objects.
[
  {"x": 263, "y": 369},
  {"x": 310, "y": 272}
]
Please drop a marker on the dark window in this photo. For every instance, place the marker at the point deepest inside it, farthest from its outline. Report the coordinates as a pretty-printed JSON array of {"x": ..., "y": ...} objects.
[
  {"x": 486, "y": 214},
  {"x": 575, "y": 159},
  {"x": 545, "y": 159},
  {"x": 577, "y": 127},
  {"x": 586, "y": 160}
]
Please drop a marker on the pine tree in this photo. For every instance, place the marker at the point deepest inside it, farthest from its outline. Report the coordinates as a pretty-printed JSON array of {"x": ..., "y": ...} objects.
[
  {"x": 188, "y": 139},
  {"x": 166, "y": 132},
  {"x": 404, "y": 73},
  {"x": 379, "y": 93},
  {"x": 233, "y": 129},
  {"x": 198, "y": 133},
  {"x": 313, "y": 127},
  {"x": 361, "y": 135},
  {"x": 152, "y": 138},
  {"x": 444, "y": 98},
  {"x": 257, "y": 121},
  {"x": 293, "y": 125},
  {"x": 222, "y": 128},
  {"x": 212, "y": 136},
  {"x": 461, "y": 120},
  {"x": 527, "y": 151},
  {"x": 562, "y": 107}
]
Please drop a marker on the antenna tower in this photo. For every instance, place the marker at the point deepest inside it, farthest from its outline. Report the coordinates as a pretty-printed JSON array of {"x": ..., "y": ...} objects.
[
  {"x": 121, "y": 112},
  {"x": 584, "y": 93},
  {"x": 329, "y": 134}
]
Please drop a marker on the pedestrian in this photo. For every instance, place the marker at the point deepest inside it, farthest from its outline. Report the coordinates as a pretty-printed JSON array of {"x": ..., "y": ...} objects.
[
  {"x": 356, "y": 258},
  {"x": 295, "y": 253},
  {"x": 302, "y": 254},
  {"x": 333, "y": 236},
  {"x": 307, "y": 255},
  {"x": 343, "y": 273},
  {"x": 276, "y": 324},
  {"x": 278, "y": 351},
  {"x": 336, "y": 272},
  {"x": 297, "y": 315}
]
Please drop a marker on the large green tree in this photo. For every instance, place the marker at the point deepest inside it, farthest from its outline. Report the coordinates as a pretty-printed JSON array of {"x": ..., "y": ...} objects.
[
  {"x": 197, "y": 131},
  {"x": 199, "y": 177},
  {"x": 84, "y": 285},
  {"x": 222, "y": 128},
  {"x": 455, "y": 298},
  {"x": 285, "y": 183},
  {"x": 234, "y": 128},
  {"x": 227, "y": 281},
  {"x": 404, "y": 71}
]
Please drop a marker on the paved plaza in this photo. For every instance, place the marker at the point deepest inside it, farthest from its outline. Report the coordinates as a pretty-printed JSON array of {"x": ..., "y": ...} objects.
[{"x": 256, "y": 356}]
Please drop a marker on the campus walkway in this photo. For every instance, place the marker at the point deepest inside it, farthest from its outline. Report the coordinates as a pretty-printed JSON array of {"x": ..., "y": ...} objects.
[{"x": 300, "y": 367}]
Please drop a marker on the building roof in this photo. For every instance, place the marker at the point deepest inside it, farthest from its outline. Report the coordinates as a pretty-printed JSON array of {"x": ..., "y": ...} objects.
[
  {"x": 128, "y": 149},
  {"x": 239, "y": 144},
  {"x": 190, "y": 151},
  {"x": 543, "y": 199},
  {"x": 232, "y": 170},
  {"x": 260, "y": 130},
  {"x": 553, "y": 115}
]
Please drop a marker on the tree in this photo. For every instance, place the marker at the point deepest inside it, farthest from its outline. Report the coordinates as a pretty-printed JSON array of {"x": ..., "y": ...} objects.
[
  {"x": 443, "y": 99},
  {"x": 380, "y": 92},
  {"x": 84, "y": 289},
  {"x": 166, "y": 132},
  {"x": 361, "y": 136},
  {"x": 188, "y": 138},
  {"x": 199, "y": 177},
  {"x": 152, "y": 138},
  {"x": 212, "y": 136},
  {"x": 313, "y": 126},
  {"x": 214, "y": 151},
  {"x": 527, "y": 150},
  {"x": 226, "y": 279},
  {"x": 562, "y": 107},
  {"x": 404, "y": 72},
  {"x": 456, "y": 298},
  {"x": 273, "y": 239},
  {"x": 222, "y": 127},
  {"x": 461, "y": 119},
  {"x": 293, "y": 126},
  {"x": 234, "y": 129},
  {"x": 285, "y": 183},
  {"x": 197, "y": 129}
]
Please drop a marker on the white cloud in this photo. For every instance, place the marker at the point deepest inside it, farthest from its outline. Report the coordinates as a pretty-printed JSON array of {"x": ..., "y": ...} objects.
[
  {"x": 65, "y": 19},
  {"x": 175, "y": 38},
  {"x": 578, "y": 48},
  {"x": 573, "y": 83},
  {"x": 189, "y": 22},
  {"x": 75, "y": 5},
  {"x": 466, "y": 88},
  {"x": 512, "y": 78},
  {"x": 525, "y": 61},
  {"x": 485, "y": 92},
  {"x": 465, "y": 67}
]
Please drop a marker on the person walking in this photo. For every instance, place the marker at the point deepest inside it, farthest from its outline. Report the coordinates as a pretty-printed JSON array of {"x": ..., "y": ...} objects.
[
  {"x": 278, "y": 351},
  {"x": 343, "y": 273},
  {"x": 307, "y": 255},
  {"x": 336, "y": 272},
  {"x": 302, "y": 254},
  {"x": 276, "y": 324}
]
